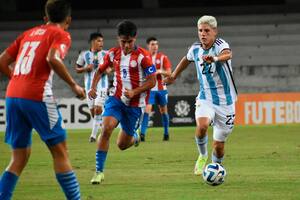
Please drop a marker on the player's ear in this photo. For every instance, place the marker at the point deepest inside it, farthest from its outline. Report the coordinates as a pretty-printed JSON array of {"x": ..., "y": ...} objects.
[
  {"x": 45, "y": 19},
  {"x": 68, "y": 22}
]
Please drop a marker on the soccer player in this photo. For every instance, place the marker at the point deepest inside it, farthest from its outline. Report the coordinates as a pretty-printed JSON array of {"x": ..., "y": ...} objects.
[
  {"x": 38, "y": 53},
  {"x": 215, "y": 102},
  {"x": 134, "y": 75},
  {"x": 87, "y": 63},
  {"x": 159, "y": 93}
]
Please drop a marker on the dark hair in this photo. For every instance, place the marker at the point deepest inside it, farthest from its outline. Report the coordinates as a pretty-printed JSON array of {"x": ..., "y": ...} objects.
[
  {"x": 127, "y": 28},
  {"x": 149, "y": 39},
  {"x": 57, "y": 10},
  {"x": 95, "y": 35}
]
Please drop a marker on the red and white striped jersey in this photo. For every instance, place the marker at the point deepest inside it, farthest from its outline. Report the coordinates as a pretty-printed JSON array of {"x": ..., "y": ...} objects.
[
  {"x": 32, "y": 77},
  {"x": 160, "y": 61},
  {"x": 130, "y": 72}
]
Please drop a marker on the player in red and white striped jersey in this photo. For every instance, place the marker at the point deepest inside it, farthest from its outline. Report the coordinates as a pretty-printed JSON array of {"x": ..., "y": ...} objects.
[
  {"x": 38, "y": 53},
  {"x": 159, "y": 93},
  {"x": 134, "y": 76}
]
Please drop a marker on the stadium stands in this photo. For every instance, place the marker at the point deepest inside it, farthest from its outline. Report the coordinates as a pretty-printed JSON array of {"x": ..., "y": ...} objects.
[{"x": 265, "y": 48}]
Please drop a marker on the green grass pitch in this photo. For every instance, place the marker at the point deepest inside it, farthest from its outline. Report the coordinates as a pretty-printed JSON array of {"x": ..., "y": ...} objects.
[{"x": 262, "y": 162}]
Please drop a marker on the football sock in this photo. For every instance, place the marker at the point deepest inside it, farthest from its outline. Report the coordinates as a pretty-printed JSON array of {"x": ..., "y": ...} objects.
[
  {"x": 100, "y": 160},
  {"x": 215, "y": 159},
  {"x": 8, "y": 183},
  {"x": 165, "y": 122},
  {"x": 202, "y": 145},
  {"x": 69, "y": 185},
  {"x": 96, "y": 125},
  {"x": 145, "y": 123}
]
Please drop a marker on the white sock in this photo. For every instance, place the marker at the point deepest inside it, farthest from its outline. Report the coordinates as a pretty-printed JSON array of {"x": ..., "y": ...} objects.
[{"x": 97, "y": 122}]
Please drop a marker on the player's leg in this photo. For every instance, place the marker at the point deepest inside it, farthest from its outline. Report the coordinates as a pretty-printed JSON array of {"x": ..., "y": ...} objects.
[
  {"x": 145, "y": 121},
  {"x": 97, "y": 122},
  {"x": 204, "y": 114},
  {"x": 18, "y": 135},
  {"x": 95, "y": 125},
  {"x": 10, "y": 176},
  {"x": 111, "y": 118},
  {"x": 130, "y": 122},
  {"x": 223, "y": 126},
  {"x": 63, "y": 170},
  {"x": 98, "y": 109},
  {"x": 163, "y": 109},
  {"x": 47, "y": 121}
]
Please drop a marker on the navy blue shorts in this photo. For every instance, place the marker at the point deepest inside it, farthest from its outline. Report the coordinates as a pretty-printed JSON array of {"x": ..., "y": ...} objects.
[
  {"x": 158, "y": 97},
  {"x": 129, "y": 117},
  {"x": 23, "y": 115}
]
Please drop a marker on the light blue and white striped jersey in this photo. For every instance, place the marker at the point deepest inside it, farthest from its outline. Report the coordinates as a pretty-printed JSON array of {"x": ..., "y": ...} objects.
[
  {"x": 216, "y": 80},
  {"x": 88, "y": 57}
]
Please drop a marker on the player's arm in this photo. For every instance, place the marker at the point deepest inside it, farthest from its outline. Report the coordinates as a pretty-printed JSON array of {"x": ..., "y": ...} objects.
[
  {"x": 56, "y": 63},
  {"x": 147, "y": 85},
  {"x": 166, "y": 71},
  {"x": 225, "y": 55},
  {"x": 5, "y": 61},
  {"x": 80, "y": 69},
  {"x": 182, "y": 65},
  {"x": 97, "y": 76}
]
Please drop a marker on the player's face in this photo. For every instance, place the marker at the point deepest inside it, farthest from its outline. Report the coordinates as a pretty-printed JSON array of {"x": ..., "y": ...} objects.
[
  {"x": 207, "y": 34},
  {"x": 153, "y": 46},
  {"x": 126, "y": 43},
  {"x": 97, "y": 44}
]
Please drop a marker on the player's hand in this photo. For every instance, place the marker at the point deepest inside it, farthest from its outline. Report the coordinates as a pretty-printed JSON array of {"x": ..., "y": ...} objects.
[
  {"x": 129, "y": 93},
  {"x": 79, "y": 91},
  {"x": 169, "y": 80},
  {"x": 208, "y": 58},
  {"x": 89, "y": 68},
  {"x": 92, "y": 93}
]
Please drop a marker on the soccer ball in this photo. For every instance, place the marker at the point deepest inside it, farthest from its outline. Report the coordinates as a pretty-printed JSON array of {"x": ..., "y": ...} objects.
[{"x": 214, "y": 174}]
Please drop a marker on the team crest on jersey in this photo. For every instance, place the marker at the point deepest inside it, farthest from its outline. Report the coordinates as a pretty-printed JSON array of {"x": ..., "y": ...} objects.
[
  {"x": 133, "y": 63},
  {"x": 157, "y": 61},
  {"x": 63, "y": 48}
]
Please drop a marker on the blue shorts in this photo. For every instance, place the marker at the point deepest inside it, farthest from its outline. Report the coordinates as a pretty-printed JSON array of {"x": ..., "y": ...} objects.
[
  {"x": 158, "y": 97},
  {"x": 128, "y": 116},
  {"x": 23, "y": 115}
]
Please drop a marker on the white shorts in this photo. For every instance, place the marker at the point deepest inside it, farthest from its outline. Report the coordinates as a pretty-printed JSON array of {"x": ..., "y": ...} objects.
[
  {"x": 221, "y": 116},
  {"x": 100, "y": 99}
]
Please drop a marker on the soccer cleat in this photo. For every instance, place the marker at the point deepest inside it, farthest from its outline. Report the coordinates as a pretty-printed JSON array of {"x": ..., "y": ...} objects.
[
  {"x": 166, "y": 138},
  {"x": 200, "y": 165},
  {"x": 92, "y": 139},
  {"x": 97, "y": 178},
  {"x": 142, "y": 138}
]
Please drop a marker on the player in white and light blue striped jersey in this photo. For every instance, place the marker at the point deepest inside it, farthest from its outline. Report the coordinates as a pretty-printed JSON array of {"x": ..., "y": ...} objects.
[
  {"x": 87, "y": 63},
  {"x": 216, "y": 99}
]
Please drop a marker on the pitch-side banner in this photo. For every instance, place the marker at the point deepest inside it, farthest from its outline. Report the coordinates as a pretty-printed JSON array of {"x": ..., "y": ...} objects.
[
  {"x": 251, "y": 109},
  {"x": 268, "y": 108}
]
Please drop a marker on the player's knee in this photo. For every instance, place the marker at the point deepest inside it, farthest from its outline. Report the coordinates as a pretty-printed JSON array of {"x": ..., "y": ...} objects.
[
  {"x": 20, "y": 161},
  {"x": 202, "y": 129},
  {"x": 122, "y": 146}
]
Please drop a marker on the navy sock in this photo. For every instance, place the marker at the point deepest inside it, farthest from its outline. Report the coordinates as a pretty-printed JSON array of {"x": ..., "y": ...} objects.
[
  {"x": 8, "y": 183},
  {"x": 69, "y": 185},
  {"x": 100, "y": 160},
  {"x": 145, "y": 123},
  {"x": 165, "y": 122}
]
